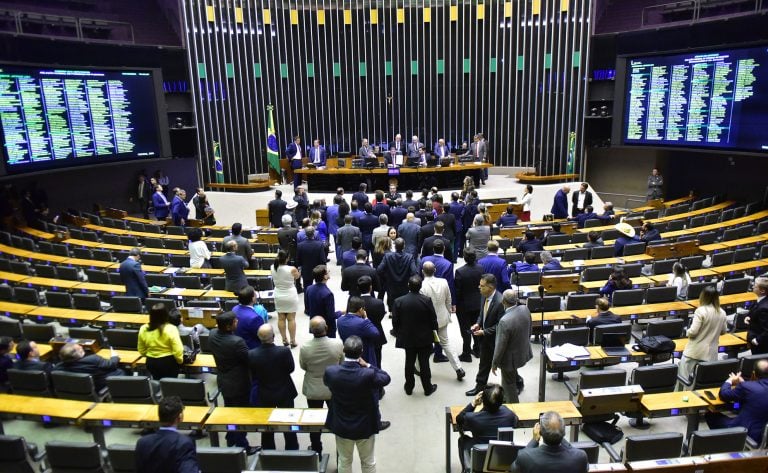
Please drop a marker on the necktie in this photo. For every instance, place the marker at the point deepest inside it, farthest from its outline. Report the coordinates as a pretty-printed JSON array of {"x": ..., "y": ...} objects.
[
  {"x": 477, "y": 150},
  {"x": 485, "y": 309}
]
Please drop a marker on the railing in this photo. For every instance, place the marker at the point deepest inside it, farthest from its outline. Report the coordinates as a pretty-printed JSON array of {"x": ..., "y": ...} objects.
[
  {"x": 629, "y": 200},
  {"x": 44, "y": 24},
  {"x": 690, "y": 11}
]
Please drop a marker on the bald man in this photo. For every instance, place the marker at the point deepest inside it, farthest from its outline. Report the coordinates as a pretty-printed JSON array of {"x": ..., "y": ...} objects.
[
  {"x": 314, "y": 357},
  {"x": 271, "y": 367}
]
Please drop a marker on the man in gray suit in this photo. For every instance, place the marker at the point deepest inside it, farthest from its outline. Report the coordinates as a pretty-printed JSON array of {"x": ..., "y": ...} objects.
[
  {"x": 365, "y": 150},
  {"x": 513, "y": 344},
  {"x": 243, "y": 245},
  {"x": 478, "y": 149},
  {"x": 409, "y": 232},
  {"x": 344, "y": 236},
  {"x": 414, "y": 146},
  {"x": 556, "y": 455},
  {"x": 314, "y": 357},
  {"x": 234, "y": 267}
]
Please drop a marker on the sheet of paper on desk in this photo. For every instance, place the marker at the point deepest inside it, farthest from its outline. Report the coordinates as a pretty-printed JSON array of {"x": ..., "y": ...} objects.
[
  {"x": 195, "y": 313},
  {"x": 314, "y": 416},
  {"x": 567, "y": 351},
  {"x": 290, "y": 416},
  {"x": 170, "y": 270}
]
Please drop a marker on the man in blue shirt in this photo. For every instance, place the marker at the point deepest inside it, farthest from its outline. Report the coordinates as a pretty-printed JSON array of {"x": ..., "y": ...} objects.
[
  {"x": 508, "y": 219},
  {"x": 250, "y": 317},
  {"x": 528, "y": 265},
  {"x": 320, "y": 299},
  {"x": 530, "y": 243},
  {"x": 496, "y": 265},
  {"x": 753, "y": 397}
]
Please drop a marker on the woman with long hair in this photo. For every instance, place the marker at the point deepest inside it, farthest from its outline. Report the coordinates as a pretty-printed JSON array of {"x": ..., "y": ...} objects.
[
  {"x": 160, "y": 343},
  {"x": 284, "y": 277},
  {"x": 681, "y": 280},
  {"x": 315, "y": 219},
  {"x": 525, "y": 216},
  {"x": 707, "y": 324},
  {"x": 618, "y": 280}
]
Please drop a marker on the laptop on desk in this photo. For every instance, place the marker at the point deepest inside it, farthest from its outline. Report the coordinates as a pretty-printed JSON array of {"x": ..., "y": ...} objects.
[{"x": 613, "y": 344}]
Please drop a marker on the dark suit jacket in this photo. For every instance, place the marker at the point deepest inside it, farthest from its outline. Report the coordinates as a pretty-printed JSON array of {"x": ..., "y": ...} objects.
[
  {"x": 366, "y": 224},
  {"x": 466, "y": 281},
  {"x": 291, "y": 150},
  {"x": 353, "y": 412},
  {"x": 320, "y": 301},
  {"x": 397, "y": 216},
  {"x": 133, "y": 278},
  {"x": 753, "y": 396},
  {"x": 530, "y": 245},
  {"x": 286, "y": 237},
  {"x": 563, "y": 458},
  {"x": 575, "y": 201},
  {"x": 496, "y": 265},
  {"x": 380, "y": 208},
  {"x": 32, "y": 365},
  {"x": 309, "y": 253},
  {"x": 449, "y": 220},
  {"x": 758, "y": 326},
  {"x": 395, "y": 269},
  {"x": 409, "y": 232},
  {"x": 99, "y": 368},
  {"x": 489, "y": 320},
  {"x": 603, "y": 318},
  {"x": 351, "y": 274},
  {"x": 302, "y": 206},
  {"x": 276, "y": 209},
  {"x": 484, "y": 425},
  {"x": 162, "y": 209},
  {"x": 179, "y": 211},
  {"x": 427, "y": 248},
  {"x": 560, "y": 205},
  {"x": 402, "y": 150},
  {"x": 361, "y": 198},
  {"x": 166, "y": 451},
  {"x": 321, "y": 151},
  {"x": 375, "y": 311},
  {"x": 231, "y": 355},
  {"x": 271, "y": 367},
  {"x": 351, "y": 324},
  {"x": 413, "y": 321},
  {"x": 234, "y": 267}
]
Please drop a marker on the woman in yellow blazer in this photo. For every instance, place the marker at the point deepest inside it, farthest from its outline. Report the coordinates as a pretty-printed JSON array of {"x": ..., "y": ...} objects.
[{"x": 160, "y": 343}]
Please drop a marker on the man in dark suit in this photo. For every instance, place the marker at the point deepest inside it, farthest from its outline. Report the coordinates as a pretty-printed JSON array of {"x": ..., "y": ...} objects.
[
  {"x": 604, "y": 315},
  {"x": 179, "y": 209},
  {"x": 351, "y": 274},
  {"x": 28, "y": 358},
  {"x": 166, "y": 450},
  {"x": 413, "y": 321},
  {"x": 483, "y": 424},
  {"x": 366, "y": 224},
  {"x": 132, "y": 275},
  {"x": 757, "y": 319},
  {"x": 494, "y": 264},
  {"x": 309, "y": 253},
  {"x": 491, "y": 310},
  {"x": 397, "y": 213},
  {"x": 394, "y": 271},
  {"x": 380, "y": 207},
  {"x": 360, "y": 196},
  {"x": 409, "y": 202},
  {"x": 73, "y": 360},
  {"x": 508, "y": 218},
  {"x": 457, "y": 208},
  {"x": 355, "y": 322},
  {"x": 276, "y": 209},
  {"x": 286, "y": 237},
  {"x": 353, "y": 413},
  {"x": 374, "y": 310},
  {"x": 142, "y": 194},
  {"x": 409, "y": 232},
  {"x": 349, "y": 257},
  {"x": 160, "y": 204},
  {"x": 233, "y": 379},
  {"x": 581, "y": 199},
  {"x": 397, "y": 147},
  {"x": 530, "y": 243},
  {"x": 467, "y": 281},
  {"x": 449, "y": 226},
  {"x": 320, "y": 300},
  {"x": 234, "y": 267},
  {"x": 753, "y": 398},
  {"x": 512, "y": 349},
  {"x": 294, "y": 153},
  {"x": 317, "y": 154},
  {"x": 427, "y": 248},
  {"x": 243, "y": 245},
  {"x": 560, "y": 203},
  {"x": 556, "y": 455},
  {"x": 443, "y": 267},
  {"x": 587, "y": 214},
  {"x": 302, "y": 204},
  {"x": 393, "y": 194},
  {"x": 271, "y": 367},
  {"x": 649, "y": 232}
]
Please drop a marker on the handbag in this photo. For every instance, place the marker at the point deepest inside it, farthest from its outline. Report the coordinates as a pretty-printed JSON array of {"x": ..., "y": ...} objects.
[{"x": 655, "y": 344}]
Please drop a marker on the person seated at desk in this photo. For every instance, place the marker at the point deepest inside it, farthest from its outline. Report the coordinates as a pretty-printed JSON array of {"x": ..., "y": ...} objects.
[
  {"x": 6, "y": 361},
  {"x": 554, "y": 232},
  {"x": 484, "y": 423},
  {"x": 318, "y": 154},
  {"x": 28, "y": 357},
  {"x": 365, "y": 151},
  {"x": 73, "y": 360},
  {"x": 167, "y": 450},
  {"x": 528, "y": 265},
  {"x": 594, "y": 240},
  {"x": 530, "y": 243},
  {"x": 556, "y": 455},
  {"x": 604, "y": 315},
  {"x": 752, "y": 395},
  {"x": 681, "y": 280},
  {"x": 550, "y": 262},
  {"x": 649, "y": 233},
  {"x": 508, "y": 219},
  {"x": 608, "y": 213},
  {"x": 627, "y": 236},
  {"x": 425, "y": 159},
  {"x": 616, "y": 281},
  {"x": 588, "y": 214}
]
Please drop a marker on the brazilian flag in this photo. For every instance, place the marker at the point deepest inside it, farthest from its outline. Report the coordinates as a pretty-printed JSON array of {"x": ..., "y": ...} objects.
[
  {"x": 571, "y": 153},
  {"x": 273, "y": 158},
  {"x": 217, "y": 162}
]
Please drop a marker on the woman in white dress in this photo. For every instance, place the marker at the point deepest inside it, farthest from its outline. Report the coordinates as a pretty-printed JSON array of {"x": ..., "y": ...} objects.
[
  {"x": 286, "y": 298},
  {"x": 525, "y": 216}
]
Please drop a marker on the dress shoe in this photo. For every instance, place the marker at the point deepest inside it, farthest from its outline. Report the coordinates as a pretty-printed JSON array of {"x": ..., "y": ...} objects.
[
  {"x": 252, "y": 450},
  {"x": 408, "y": 391},
  {"x": 474, "y": 391},
  {"x": 466, "y": 357},
  {"x": 429, "y": 393},
  {"x": 440, "y": 359},
  {"x": 476, "y": 352},
  {"x": 460, "y": 374},
  {"x": 384, "y": 425}
]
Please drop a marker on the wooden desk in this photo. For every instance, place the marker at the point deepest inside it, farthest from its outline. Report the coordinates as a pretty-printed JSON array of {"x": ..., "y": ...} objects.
[
  {"x": 89, "y": 263},
  {"x": 728, "y": 343},
  {"x": 42, "y": 409},
  {"x": 123, "y": 320},
  {"x": 219, "y": 294},
  {"x": 682, "y": 216},
  {"x": 634, "y": 312},
  {"x": 220, "y": 272},
  {"x": 745, "y": 267},
  {"x": 31, "y": 255},
  {"x": 39, "y": 234},
  {"x": 730, "y": 299},
  {"x": 180, "y": 292},
  {"x": 253, "y": 419},
  {"x": 51, "y": 283},
  {"x": 6, "y": 277},
  {"x": 74, "y": 316},
  {"x": 204, "y": 363},
  {"x": 111, "y": 289},
  {"x": 14, "y": 308},
  {"x": 528, "y": 415},
  {"x": 145, "y": 221},
  {"x": 562, "y": 317},
  {"x": 754, "y": 461},
  {"x": 714, "y": 404},
  {"x": 717, "y": 226},
  {"x": 677, "y": 403},
  {"x": 194, "y": 417},
  {"x": 696, "y": 274},
  {"x": 606, "y": 261},
  {"x": 127, "y": 357},
  {"x": 724, "y": 245},
  {"x": 641, "y": 281}
]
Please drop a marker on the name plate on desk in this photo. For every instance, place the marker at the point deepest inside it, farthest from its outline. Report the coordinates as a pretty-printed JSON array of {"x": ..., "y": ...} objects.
[{"x": 610, "y": 400}]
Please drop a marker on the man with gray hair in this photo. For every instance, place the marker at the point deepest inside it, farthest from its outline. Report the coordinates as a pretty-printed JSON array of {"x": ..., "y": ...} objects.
[
  {"x": 381, "y": 231},
  {"x": 440, "y": 294},
  {"x": 550, "y": 263},
  {"x": 556, "y": 455},
  {"x": 478, "y": 236},
  {"x": 133, "y": 277},
  {"x": 344, "y": 236},
  {"x": 513, "y": 345},
  {"x": 234, "y": 267}
]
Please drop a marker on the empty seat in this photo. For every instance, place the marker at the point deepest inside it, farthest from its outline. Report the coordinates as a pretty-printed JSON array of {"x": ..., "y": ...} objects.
[
  {"x": 708, "y": 442},
  {"x": 153, "y": 242},
  {"x": 655, "y": 379},
  {"x": 722, "y": 258},
  {"x": 575, "y": 336},
  {"x": 736, "y": 286},
  {"x": 168, "y": 303},
  {"x": 6, "y": 292},
  {"x": 698, "y": 221},
  {"x": 576, "y": 254},
  {"x": 60, "y": 249},
  {"x": 649, "y": 447},
  {"x": 532, "y": 278},
  {"x": 110, "y": 239},
  {"x": 731, "y": 234},
  {"x": 707, "y": 238},
  {"x": 77, "y": 386},
  {"x": 597, "y": 379},
  {"x": 174, "y": 230},
  {"x": 58, "y": 299},
  {"x": 188, "y": 282},
  {"x": 86, "y": 301},
  {"x": 219, "y": 283},
  {"x": 27, "y": 295},
  {"x": 694, "y": 289},
  {"x": 626, "y": 297},
  {"x": 692, "y": 262},
  {"x": 554, "y": 240},
  {"x": 550, "y": 304},
  {"x": 131, "y": 389},
  {"x": 102, "y": 255},
  {"x": 128, "y": 240},
  {"x": 16, "y": 456},
  {"x": 744, "y": 254},
  {"x": 600, "y": 252},
  {"x": 91, "y": 333},
  {"x": 634, "y": 249},
  {"x": 29, "y": 383},
  {"x": 40, "y": 333},
  {"x": 122, "y": 458},
  {"x": 153, "y": 259},
  {"x": 20, "y": 267},
  {"x": 179, "y": 261},
  {"x": 634, "y": 270},
  {"x": 122, "y": 338},
  {"x": 710, "y": 374},
  {"x": 45, "y": 271},
  {"x": 226, "y": 460},
  {"x": 672, "y": 328},
  {"x": 581, "y": 301},
  {"x": 191, "y": 391},
  {"x": 624, "y": 329},
  {"x": 74, "y": 457},
  {"x": 136, "y": 226},
  {"x": 126, "y": 304},
  {"x": 654, "y": 295},
  {"x": 11, "y": 328},
  {"x": 161, "y": 280},
  {"x": 69, "y": 273},
  {"x": 600, "y": 273},
  {"x": 289, "y": 460},
  {"x": 175, "y": 245},
  {"x": 82, "y": 253},
  {"x": 90, "y": 236}
]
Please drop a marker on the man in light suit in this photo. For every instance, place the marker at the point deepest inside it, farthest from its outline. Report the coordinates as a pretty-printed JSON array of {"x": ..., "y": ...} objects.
[
  {"x": 491, "y": 310},
  {"x": 317, "y": 154},
  {"x": 409, "y": 231},
  {"x": 167, "y": 450},
  {"x": 441, "y": 150},
  {"x": 414, "y": 147},
  {"x": 478, "y": 149},
  {"x": 353, "y": 413},
  {"x": 438, "y": 292},
  {"x": 243, "y": 245},
  {"x": 314, "y": 357},
  {"x": 512, "y": 349},
  {"x": 365, "y": 150},
  {"x": 556, "y": 455},
  {"x": 132, "y": 275},
  {"x": 294, "y": 154}
]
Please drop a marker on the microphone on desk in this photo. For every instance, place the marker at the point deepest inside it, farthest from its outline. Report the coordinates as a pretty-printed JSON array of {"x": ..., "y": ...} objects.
[{"x": 541, "y": 292}]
